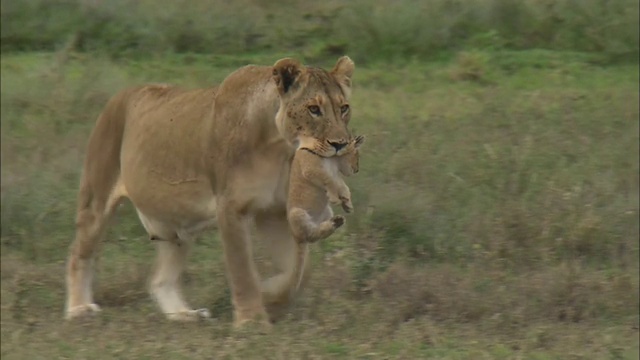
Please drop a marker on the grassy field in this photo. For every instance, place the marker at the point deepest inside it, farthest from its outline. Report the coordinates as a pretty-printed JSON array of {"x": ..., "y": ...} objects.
[{"x": 496, "y": 216}]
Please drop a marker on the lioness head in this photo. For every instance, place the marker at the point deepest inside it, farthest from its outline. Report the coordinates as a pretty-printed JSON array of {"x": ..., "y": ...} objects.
[
  {"x": 314, "y": 103},
  {"x": 349, "y": 162}
]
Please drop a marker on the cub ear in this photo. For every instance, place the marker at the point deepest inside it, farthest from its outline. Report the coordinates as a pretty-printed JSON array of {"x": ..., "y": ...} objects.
[
  {"x": 343, "y": 70},
  {"x": 285, "y": 73},
  {"x": 359, "y": 141}
]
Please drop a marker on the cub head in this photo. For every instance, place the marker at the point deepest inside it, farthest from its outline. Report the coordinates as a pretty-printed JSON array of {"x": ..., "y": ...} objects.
[
  {"x": 314, "y": 104},
  {"x": 349, "y": 161}
]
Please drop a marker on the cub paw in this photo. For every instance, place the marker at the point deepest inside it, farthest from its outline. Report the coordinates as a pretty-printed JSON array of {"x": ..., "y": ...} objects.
[
  {"x": 347, "y": 206},
  {"x": 334, "y": 199},
  {"x": 337, "y": 221}
]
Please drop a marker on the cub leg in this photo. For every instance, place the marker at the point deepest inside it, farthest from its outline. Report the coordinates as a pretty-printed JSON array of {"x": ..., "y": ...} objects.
[
  {"x": 337, "y": 189},
  {"x": 305, "y": 230},
  {"x": 335, "y": 186}
]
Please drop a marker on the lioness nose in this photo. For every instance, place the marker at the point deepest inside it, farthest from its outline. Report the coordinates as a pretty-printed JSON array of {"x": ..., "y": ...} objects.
[{"x": 337, "y": 145}]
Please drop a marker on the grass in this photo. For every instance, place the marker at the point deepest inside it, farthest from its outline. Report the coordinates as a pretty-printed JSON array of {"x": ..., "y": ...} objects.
[{"x": 496, "y": 216}]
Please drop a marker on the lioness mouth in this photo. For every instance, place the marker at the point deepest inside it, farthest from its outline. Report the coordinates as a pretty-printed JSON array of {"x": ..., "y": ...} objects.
[{"x": 311, "y": 151}]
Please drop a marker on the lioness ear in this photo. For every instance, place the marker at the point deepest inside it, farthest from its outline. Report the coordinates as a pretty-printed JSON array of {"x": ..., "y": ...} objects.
[
  {"x": 285, "y": 74},
  {"x": 343, "y": 69},
  {"x": 359, "y": 141}
]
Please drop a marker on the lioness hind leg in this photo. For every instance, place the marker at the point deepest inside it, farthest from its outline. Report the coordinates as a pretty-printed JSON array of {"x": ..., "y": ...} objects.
[
  {"x": 165, "y": 286},
  {"x": 165, "y": 282},
  {"x": 93, "y": 214}
]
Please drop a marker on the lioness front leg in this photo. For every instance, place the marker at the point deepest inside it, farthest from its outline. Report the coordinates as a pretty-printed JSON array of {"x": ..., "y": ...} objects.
[
  {"x": 278, "y": 290},
  {"x": 293, "y": 268},
  {"x": 246, "y": 294}
]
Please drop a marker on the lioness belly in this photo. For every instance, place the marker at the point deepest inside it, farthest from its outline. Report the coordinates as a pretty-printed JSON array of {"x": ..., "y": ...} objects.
[
  {"x": 184, "y": 205},
  {"x": 173, "y": 230}
]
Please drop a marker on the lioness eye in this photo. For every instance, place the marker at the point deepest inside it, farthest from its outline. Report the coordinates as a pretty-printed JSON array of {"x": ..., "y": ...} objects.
[
  {"x": 344, "y": 109},
  {"x": 314, "y": 109}
]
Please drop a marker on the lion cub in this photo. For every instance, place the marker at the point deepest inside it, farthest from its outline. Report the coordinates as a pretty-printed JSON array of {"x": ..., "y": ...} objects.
[{"x": 314, "y": 182}]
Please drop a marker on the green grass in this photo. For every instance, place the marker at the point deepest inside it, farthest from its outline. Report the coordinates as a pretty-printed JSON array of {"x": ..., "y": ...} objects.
[
  {"x": 496, "y": 216},
  {"x": 381, "y": 30}
]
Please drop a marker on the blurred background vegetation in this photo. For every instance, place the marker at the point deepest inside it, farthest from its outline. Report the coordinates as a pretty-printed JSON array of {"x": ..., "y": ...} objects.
[
  {"x": 368, "y": 30},
  {"x": 496, "y": 206}
]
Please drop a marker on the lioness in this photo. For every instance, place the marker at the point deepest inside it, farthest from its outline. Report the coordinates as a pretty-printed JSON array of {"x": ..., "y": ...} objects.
[{"x": 190, "y": 159}]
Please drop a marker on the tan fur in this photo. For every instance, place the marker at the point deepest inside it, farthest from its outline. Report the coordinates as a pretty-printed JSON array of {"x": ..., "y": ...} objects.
[
  {"x": 313, "y": 182},
  {"x": 190, "y": 159}
]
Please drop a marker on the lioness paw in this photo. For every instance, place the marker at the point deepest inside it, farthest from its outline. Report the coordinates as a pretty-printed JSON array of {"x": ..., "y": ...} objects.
[
  {"x": 256, "y": 324},
  {"x": 190, "y": 315},
  {"x": 82, "y": 310}
]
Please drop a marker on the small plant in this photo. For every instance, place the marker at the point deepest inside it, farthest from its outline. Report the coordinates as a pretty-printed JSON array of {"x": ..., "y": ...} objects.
[{"x": 470, "y": 66}]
